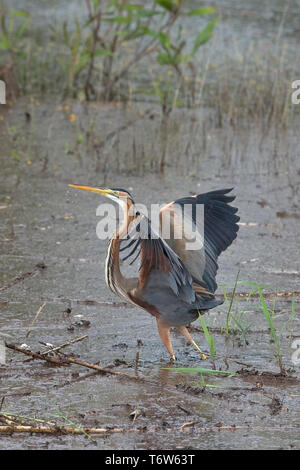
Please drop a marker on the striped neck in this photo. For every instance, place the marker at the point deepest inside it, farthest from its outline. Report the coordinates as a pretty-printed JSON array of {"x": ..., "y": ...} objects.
[{"x": 113, "y": 276}]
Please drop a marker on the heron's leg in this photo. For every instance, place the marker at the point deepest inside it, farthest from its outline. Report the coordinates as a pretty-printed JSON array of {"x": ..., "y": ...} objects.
[
  {"x": 164, "y": 333},
  {"x": 186, "y": 333}
]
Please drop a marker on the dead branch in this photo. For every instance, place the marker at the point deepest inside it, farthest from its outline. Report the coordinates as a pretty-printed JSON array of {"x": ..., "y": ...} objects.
[
  {"x": 35, "y": 319},
  {"x": 185, "y": 425},
  {"x": 56, "y": 429},
  {"x": 35, "y": 355},
  {"x": 60, "y": 430},
  {"x": 66, "y": 360},
  {"x": 72, "y": 341}
]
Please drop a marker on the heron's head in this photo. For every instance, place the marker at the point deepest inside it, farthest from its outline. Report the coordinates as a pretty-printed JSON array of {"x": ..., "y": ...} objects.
[{"x": 121, "y": 196}]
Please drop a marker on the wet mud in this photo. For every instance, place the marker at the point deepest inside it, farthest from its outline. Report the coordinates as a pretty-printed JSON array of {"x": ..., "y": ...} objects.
[
  {"x": 50, "y": 255},
  {"x": 52, "y": 287}
]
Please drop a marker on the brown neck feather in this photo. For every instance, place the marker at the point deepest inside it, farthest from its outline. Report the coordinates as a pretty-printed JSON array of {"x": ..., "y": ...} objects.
[{"x": 122, "y": 231}]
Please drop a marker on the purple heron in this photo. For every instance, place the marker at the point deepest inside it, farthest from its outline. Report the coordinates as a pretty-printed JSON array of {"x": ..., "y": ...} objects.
[{"x": 174, "y": 284}]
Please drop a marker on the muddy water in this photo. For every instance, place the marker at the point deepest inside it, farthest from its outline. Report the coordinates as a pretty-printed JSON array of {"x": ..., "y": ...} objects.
[{"x": 50, "y": 254}]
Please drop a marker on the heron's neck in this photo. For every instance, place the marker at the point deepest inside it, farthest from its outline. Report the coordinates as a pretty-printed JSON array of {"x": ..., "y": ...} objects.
[{"x": 114, "y": 278}]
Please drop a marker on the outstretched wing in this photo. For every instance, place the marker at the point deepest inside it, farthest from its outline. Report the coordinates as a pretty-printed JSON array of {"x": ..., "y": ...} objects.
[
  {"x": 155, "y": 254},
  {"x": 216, "y": 226}
]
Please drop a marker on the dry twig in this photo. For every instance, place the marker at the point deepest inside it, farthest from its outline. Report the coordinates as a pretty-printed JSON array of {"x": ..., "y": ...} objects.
[
  {"x": 71, "y": 360},
  {"x": 56, "y": 429},
  {"x": 35, "y": 319}
]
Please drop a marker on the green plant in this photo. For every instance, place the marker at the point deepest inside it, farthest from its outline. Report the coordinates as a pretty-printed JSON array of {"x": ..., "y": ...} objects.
[
  {"x": 274, "y": 335},
  {"x": 15, "y": 155},
  {"x": 269, "y": 315},
  {"x": 209, "y": 340},
  {"x": 238, "y": 320},
  {"x": 100, "y": 43},
  {"x": 77, "y": 56},
  {"x": 230, "y": 302},
  {"x": 292, "y": 318},
  {"x": 174, "y": 52},
  {"x": 13, "y": 25},
  {"x": 59, "y": 414},
  {"x": 174, "y": 55}
]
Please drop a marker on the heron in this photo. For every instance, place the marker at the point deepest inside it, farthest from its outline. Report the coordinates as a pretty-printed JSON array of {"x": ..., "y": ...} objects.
[{"x": 174, "y": 284}]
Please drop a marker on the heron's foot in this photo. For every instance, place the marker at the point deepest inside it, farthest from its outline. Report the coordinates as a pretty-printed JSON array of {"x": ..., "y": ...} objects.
[
  {"x": 172, "y": 360},
  {"x": 203, "y": 356},
  {"x": 186, "y": 333}
]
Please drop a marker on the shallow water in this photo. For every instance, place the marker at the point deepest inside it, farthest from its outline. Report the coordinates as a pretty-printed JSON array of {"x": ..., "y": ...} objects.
[
  {"x": 50, "y": 254},
  {"x": 44, "y": 221}
]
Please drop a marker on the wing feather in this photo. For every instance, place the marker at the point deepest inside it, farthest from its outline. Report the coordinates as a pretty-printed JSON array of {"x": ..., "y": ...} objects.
[
  {"x": 219, "y": 229},
  {"x": 155, "y": 254}
]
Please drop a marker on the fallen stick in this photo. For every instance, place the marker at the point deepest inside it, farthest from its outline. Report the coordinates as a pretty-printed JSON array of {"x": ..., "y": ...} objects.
[
  {"x": 75, "y": 340},
  {"x": 70, "y": 360},
  {"x": 17, "y": 420},
  {"x": 53, "y": 360},
  {"x": 87, "y": 431},
  {"x": 185, "y": 425},
  {"x": 61, "y": 430},
  {"x": 55, "y": 349},
  {"x": 35, "y": 319}
]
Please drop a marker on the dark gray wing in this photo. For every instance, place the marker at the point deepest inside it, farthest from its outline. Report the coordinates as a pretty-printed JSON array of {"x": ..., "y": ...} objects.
[{"x": 219, "y": 228}]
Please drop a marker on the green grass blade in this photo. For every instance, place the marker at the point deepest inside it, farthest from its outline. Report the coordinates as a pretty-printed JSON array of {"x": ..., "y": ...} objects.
[
  {"x": 231, "y": 302},
  {"x": 208, "y": 337}
]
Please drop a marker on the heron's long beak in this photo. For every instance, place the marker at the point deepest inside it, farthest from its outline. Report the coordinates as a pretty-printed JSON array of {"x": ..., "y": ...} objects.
[{"x": 103, "y": 192}]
